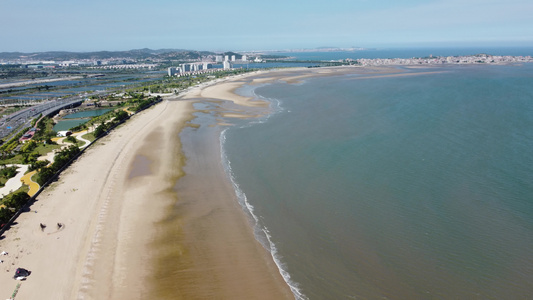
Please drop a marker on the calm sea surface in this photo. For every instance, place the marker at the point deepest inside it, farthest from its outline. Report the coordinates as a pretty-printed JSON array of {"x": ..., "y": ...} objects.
[{"x": 414, "y": 187}]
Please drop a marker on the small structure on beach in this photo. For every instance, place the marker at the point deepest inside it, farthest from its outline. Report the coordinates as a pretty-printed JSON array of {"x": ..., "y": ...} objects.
[{"x": 64, "y": 133}]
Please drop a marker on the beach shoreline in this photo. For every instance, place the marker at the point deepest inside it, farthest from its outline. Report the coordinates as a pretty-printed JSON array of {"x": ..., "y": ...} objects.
[{"x": 148, "y": 211}]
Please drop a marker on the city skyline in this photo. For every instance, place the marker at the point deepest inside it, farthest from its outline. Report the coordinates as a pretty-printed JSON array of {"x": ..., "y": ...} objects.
[{"x": 59, "y": 25}]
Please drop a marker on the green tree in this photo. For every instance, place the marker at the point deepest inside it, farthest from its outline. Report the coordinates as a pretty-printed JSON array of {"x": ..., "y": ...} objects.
[
  {"x": 121, "y": 115},
  {"x": 5, "y": 215},
  {"x": 100, "y": 130},
  {"x": 17, "y": 200},
  {"x": 38, "y": 164},
  {"x": 29, "y": 146},
  {"x": 44, "y": 175}
]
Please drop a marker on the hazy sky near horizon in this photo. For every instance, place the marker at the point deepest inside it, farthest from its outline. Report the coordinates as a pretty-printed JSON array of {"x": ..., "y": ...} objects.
[{"x": 35, "y": 25}]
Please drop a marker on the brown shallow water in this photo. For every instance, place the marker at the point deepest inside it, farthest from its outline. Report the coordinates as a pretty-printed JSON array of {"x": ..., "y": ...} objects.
[{"x": 204, "y": 245}]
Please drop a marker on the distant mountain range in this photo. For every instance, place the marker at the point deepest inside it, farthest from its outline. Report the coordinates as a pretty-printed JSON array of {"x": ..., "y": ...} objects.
[
  {"x": 144, "y": 54},
  {"x": 137, "y": 54}
]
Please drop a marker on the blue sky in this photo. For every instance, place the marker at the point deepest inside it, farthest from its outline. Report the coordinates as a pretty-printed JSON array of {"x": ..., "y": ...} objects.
[{"x": 72, "y": 25}]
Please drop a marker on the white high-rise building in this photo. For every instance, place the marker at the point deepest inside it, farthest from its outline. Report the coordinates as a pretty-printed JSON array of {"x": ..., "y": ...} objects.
[
  {"x": 185, "y": 67},
  {"x": 171, "y": 71},
  {"x": 227, "y": 65},
  {"x": 219, "y": 58},
  {"x": 244, "y": 58},
  {"x": 226, "y": 58},
  {"x": 233, "y": 58}
]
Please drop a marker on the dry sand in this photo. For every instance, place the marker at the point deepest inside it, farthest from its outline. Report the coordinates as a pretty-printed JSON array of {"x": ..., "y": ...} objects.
[
  {"x": 133, "y": 227},
  {"x": 84, "y": 258}
]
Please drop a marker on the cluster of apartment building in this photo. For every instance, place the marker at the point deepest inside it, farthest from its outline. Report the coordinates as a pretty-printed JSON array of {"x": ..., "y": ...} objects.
[
  {"x": 190, "y": 68},
  {"x": 471, "y": 59}
]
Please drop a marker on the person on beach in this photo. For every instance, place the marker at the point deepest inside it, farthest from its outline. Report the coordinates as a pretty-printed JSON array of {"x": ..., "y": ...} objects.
[{"x": 42, "y": 226}]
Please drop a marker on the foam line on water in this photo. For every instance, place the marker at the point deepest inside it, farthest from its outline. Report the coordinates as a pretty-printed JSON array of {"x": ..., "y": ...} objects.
[{"x": 261, "y": 232}]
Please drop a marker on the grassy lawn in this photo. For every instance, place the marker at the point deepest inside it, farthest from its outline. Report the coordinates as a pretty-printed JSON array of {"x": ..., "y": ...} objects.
[
  {"x": 71, "y": 139},
  {"x": 89, "y": 136},
  {"x": 17, "y": 159},
  {"x": 43, "y": 149}
]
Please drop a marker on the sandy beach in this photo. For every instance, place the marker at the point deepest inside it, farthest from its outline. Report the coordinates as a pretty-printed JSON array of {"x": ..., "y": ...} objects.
[
  {"x": 91, "y": 202},
  {"x": 147, "y": 214}
]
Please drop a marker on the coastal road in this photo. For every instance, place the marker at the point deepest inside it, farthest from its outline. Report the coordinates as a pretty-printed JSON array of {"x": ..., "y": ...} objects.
[{"x": 12, "y": 124}]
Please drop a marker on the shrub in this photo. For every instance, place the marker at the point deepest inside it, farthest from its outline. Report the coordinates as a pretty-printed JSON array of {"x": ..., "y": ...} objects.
[
  {"x": 5, "y": 215},
  {"x": 121, "y": 115},
  {"x": 71, "y": 139},
  {"x": 29, "y": 146},
  {"x": 16, "y": 200},
  {"x": 45, "y": 174},
  {"x": 8, "y": 172},
  {"x": 100, "y": 130},
  {"x": 38, "y": 165}
]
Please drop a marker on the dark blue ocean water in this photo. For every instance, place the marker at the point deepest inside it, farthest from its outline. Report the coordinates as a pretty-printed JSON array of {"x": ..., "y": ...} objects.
[{"x": 414, "y": 187}]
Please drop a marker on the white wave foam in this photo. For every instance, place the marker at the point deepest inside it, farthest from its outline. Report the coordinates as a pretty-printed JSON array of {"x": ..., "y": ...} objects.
[{"x": 261, "y": 232}]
